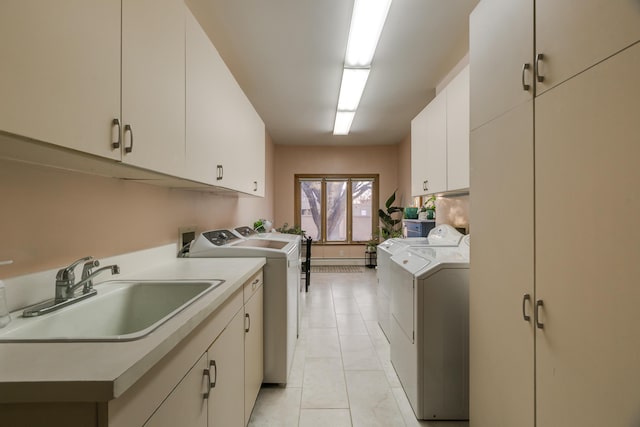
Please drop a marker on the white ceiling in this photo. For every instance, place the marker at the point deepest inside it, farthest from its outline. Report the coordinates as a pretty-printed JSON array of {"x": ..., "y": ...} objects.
[{"x": 287, "y": 55}]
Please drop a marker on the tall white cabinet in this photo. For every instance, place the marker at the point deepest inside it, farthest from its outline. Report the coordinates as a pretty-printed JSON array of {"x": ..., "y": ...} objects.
[{"x": 553, "y": 322}]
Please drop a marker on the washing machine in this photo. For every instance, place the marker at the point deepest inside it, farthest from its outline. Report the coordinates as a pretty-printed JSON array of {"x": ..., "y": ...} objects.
[
  {"x": 443, "y": 235},
  {"x": 429, "y": 329},
  {"x": 281, "y": 291}
]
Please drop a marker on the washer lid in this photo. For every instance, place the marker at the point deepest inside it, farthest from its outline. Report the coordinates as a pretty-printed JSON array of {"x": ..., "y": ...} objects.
[
  {"x": 411, "y": 261},
  {"x": 444, "y": 235}
]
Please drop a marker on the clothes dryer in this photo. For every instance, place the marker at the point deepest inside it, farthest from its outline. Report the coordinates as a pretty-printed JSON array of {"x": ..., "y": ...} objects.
[{"x": 429, "y": 331}]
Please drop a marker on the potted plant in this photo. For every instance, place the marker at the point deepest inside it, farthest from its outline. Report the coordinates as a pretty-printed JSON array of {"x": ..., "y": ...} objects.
[
  {"x": 428, "y": 210},
  {"x": 291, "y": 230},
  {"x": 372, "y": 245},
  {"x": 390, "y": 224}
]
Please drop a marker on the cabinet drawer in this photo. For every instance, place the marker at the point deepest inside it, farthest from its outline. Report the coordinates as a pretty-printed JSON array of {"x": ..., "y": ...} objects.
[
  {"x": 252, "y": 285},
  {"x": 419, "y": 228}
]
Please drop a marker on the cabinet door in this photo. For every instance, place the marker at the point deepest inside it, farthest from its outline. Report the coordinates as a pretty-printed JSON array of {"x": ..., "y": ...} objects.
[
  {"x": 436, "y": 144},
  {"x": 458, "y": 131},
  {"x": 153, "y": 84},
  {"x": 203, "y": 147},
  {"x": 60, "y": 72},
  {"x": 500, "y": 43},
  {"x": 226, "y": 360},
  {"x": 572, "y": 38},
  {"x": 501, "y": 353},
  {"x": 186, "y": 405},
  {"x": 418, "y": 153},
  {"x": 587, "y": 256},
  {"x": 253, "y": 351}
]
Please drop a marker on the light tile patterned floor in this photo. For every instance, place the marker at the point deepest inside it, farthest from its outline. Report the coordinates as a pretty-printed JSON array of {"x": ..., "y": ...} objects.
[{"x": 341, "y": 375}]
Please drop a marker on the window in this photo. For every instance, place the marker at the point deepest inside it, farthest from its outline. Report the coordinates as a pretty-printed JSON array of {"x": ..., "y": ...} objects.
[{"x": 337, "y": 208}]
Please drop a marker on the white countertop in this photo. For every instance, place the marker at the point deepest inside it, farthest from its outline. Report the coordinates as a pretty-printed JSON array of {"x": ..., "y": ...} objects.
[{"x": 102, "y": 371}]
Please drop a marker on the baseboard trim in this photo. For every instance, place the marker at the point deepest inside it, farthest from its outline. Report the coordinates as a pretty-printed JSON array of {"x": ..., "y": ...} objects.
[{"x": 337, "y": 261}]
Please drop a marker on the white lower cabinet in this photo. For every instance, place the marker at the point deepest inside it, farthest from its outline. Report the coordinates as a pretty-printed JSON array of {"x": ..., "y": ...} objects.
[
  {"x": 186, "y": 405},
  {"x": 253, "y": 345},
  {"x": 226, "y": 369}
]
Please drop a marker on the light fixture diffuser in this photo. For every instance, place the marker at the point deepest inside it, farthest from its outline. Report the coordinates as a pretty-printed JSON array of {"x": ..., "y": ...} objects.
[
  {"x": 366, "y": 26},
  {"x": 367, "y": 21},
  {"x": 353, "y": 83},
  {"x": 343, "y": 122}
]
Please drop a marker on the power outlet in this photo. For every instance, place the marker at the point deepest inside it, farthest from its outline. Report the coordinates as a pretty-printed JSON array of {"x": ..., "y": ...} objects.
[
  {"x": 341, "y": 253},
  {"x": 186, "y": 235}
]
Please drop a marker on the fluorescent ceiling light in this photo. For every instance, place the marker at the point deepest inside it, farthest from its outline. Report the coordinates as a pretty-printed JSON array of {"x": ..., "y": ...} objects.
[
  {"x": 343, "y": 122},
  {"x": 353, "y": 83},
  {"x": 366, "y": 25}
]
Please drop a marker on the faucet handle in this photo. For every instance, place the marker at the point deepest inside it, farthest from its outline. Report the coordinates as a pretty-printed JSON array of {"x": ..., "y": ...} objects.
[
  {"x": 88, "y": 266},
  {"x": 67, "y": 273}
]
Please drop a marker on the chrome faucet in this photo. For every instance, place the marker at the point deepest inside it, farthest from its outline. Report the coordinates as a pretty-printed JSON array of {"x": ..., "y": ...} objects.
[
  {"x": 66, "y": 286},
  {"x": 65, "y": 279}
]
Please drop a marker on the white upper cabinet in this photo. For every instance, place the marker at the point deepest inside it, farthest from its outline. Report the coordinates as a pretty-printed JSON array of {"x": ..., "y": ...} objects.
[
  {"x": 418, "y": 153},
  {"x": 153, "y": 84},
  {"x": 440, "y": 141},
  {"x": 225, "y": 135},
  {"x": 435, "y": 161},
  {"x": 501, "y": 57},
  {"x": 458, "y": 131},
  {"x": 60, "y": 71},
  {"x": 572, "y": 37},
  {"x": 203, "y": 152}
]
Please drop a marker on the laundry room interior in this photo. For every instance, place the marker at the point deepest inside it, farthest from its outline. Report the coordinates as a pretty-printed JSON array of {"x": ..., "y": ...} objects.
[{"x": 204, "y": 224}]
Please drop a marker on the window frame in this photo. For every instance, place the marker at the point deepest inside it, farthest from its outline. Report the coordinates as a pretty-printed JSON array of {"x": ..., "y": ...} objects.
[{"x": 374, "y": 178}]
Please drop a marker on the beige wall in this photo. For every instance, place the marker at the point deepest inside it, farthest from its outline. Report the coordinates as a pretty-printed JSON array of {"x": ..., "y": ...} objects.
[
  {"x": 404, "y": 172},
  {"x": 50, "y": 217},
  {"x": 291, "y": 160}
]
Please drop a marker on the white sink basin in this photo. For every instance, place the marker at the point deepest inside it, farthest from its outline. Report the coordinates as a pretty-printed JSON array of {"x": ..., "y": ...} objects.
[{"x": 121, "y": 311}]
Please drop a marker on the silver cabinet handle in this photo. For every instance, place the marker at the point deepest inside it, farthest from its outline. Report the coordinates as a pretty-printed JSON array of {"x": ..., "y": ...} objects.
[
  {"x": 212, "y": 364},
  {"x": 115, "y": 134},
  {"x": 539, "y": 57},
  {"x": 255, "y": 185},
  {"x": 525, "y": 67},
  {"x": 127, "y": 128},
  {"x": 539, "y": 304},
  {"x": 220, "y": 172},
  {"x": 248, "y": 317},
  {"x": 525, "y": 298},
  {"x": 207, "y": 374}
]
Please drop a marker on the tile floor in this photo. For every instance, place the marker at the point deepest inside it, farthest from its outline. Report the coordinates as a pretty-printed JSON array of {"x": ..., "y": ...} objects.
[{"x": 341, "y": 374}]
